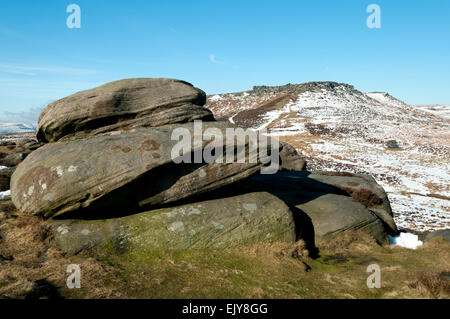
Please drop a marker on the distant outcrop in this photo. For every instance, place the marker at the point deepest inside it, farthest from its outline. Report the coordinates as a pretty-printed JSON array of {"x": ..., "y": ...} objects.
[{"x": 299, "y": 88}]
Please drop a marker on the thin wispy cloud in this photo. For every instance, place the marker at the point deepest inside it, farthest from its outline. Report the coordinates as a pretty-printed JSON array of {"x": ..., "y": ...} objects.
[
  {"x": 34, "y": 70},
  {"x": 212, "y": 58}
]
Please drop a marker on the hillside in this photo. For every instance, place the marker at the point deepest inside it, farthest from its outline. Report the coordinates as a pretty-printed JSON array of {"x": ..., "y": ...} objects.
[
  {"x": 336, "y": 127},
  {"x": 440, "y": 110}
]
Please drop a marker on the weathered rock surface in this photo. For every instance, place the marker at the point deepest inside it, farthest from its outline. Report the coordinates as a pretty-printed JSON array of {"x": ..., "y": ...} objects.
[
  {"x": 13, "y": 152},
  {"x": 326, "y": 205},
  {"x": 23, "y": 141},
  {"x": 117, "y": 171},
  {"x": 213, "y": 224},
  {"x": 13, "y": 159},
  {"x": 181, "y": 114},
  {"x": 332, "y": 214},
  {"x": 290, "y": 160},
  {"x": 29, "y": 144},
  {"x": 127, "y": 103},
  {"x": 363, "y": 189}
]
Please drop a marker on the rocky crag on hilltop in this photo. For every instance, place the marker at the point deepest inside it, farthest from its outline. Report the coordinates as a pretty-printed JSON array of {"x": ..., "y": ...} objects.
[
  {"x": 102, "y": 177},
  {"x": 339, "y": 128},
  {"x": 298, "y": 88}
]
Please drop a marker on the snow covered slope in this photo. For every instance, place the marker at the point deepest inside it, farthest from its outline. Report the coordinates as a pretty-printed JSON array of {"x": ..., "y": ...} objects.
[
  {"x": 336, "y": 127},
  {"x": 440, "y": 110},
  {"x": 7, "y": 128}
]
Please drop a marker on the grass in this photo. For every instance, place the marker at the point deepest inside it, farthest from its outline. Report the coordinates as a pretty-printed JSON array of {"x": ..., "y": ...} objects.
[{"x": 277, "y": 270}]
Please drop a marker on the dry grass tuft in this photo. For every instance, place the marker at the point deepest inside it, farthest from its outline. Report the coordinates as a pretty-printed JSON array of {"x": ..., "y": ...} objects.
[
  {"x": 33, "y": 268},
  {"x": 435, "y": 283},
  {"x": 351, "y": 239},
  {"x": 279, "y": 249},
  {"x": 300, "y": 250}
]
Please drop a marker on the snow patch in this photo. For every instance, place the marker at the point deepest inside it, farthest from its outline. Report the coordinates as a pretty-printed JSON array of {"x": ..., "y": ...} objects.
[
  {"x": 406, "y": 240},
  {"x": 5, "y": 194},
  {"x": 215, "y": 98}
]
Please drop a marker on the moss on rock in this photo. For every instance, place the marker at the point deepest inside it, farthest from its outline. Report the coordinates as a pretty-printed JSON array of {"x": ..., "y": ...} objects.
[{"x": 220, "y": 223}]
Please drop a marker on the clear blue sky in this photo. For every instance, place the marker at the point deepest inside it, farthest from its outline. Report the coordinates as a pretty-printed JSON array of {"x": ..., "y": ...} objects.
[{"x": 223, "y": 46}]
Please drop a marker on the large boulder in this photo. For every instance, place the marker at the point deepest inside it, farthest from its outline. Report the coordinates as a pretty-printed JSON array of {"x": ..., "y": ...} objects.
[
  {"x": 326, "y": 204},
  {"x": 212, "y": 224},
  {"x": 363, "y": 189},
  {"x": 125, "y": 103},
  {"x": 332, "y": 214},
  {"x": 120, "y": 171}
]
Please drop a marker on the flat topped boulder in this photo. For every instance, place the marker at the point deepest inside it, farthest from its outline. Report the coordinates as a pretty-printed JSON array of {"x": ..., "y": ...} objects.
[
  {"x": 126, "y": 103},
  {"x": 331, "y": 203},
  {"x": 120, "y": 171}
]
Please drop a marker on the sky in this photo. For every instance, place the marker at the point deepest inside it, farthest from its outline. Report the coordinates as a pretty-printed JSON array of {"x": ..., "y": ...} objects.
[{"x": 222, "y": 46}]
